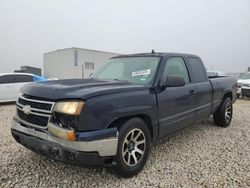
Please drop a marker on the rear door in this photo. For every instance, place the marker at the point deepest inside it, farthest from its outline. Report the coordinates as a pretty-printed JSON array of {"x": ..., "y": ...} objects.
[
  {"x": 176, "y": 104},
  {"x": 203, "y": 88}
]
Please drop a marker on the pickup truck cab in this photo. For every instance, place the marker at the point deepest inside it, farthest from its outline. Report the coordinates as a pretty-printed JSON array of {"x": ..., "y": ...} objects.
[{"x": 113, "y": 118}]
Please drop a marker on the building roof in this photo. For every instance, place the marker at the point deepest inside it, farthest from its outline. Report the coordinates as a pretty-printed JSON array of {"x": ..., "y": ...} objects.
[{"x": 76, "y": 48}]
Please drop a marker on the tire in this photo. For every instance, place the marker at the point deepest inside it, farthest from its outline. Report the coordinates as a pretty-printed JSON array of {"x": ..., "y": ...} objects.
[
  {"x": 134, "y": 143},
  {"x": 223, "y": 115}
]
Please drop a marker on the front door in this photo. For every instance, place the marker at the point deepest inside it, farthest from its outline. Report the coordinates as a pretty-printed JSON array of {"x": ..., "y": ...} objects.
[{"x": 176, "y": 104}]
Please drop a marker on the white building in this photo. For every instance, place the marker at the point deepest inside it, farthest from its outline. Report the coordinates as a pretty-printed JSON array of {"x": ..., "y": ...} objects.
[{"x": 73, "y": 62}]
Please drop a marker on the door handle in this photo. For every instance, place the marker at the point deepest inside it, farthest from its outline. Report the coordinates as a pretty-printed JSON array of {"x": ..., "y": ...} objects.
[{"x": 192, "y": 92}]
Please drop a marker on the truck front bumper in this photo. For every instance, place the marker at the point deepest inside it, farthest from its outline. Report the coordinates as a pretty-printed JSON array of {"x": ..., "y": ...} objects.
[{"x": 91, "y": 151}]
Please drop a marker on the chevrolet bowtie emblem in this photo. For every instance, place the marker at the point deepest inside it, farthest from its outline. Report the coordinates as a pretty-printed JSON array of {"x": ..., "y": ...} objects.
[{"x": 26, "y": 109}]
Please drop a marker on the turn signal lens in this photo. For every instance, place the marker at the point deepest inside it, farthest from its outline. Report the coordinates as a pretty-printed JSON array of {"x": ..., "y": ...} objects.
[
  {"x": 71, "y": 135},
  {"x": 61, "y": 132}
]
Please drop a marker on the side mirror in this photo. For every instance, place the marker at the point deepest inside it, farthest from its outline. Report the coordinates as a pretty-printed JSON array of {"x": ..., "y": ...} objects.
[{"x": 173, "y": 81}]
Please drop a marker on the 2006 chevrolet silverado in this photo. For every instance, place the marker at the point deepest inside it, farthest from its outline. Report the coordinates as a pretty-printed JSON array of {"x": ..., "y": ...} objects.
[{"x": 113, "y": 118}]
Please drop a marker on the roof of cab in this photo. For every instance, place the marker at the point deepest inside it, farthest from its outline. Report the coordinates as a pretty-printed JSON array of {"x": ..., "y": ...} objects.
[{"x": 156, "y": 54}]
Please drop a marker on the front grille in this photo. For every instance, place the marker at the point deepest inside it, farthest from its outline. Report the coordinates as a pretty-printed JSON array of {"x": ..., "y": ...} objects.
[
  {"x": 37, "y": 105},
  {"x": 245, "y": 92},
  {"x": 32, "y": 112},
  {"x": 33, "y": 119}
]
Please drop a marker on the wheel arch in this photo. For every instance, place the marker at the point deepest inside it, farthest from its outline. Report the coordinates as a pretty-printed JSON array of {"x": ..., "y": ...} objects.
[
  {"x": 118, "y": 122},
  {"x": 228, "y": 94}
]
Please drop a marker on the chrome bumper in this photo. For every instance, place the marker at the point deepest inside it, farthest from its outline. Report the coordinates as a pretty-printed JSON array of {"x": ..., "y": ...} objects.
[{"x": 105, "y": 147}]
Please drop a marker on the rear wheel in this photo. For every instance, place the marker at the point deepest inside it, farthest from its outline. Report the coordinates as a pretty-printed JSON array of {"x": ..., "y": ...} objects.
[
  {"x": 224, "y": 114},
  {"x": 133, "y": 147}
]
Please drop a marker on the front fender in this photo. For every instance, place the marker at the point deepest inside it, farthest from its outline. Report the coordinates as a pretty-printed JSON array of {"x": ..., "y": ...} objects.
[
  {"x": 147, "y": 113},
  {"x": 100, "y": 111}
]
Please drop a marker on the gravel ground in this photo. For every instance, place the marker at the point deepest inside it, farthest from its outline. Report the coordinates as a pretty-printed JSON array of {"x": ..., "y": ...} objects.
[{"x": 202, "y": 155}]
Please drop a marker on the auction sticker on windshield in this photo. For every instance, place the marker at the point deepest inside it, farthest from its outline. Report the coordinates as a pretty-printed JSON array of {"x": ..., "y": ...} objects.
[{"x": 141, "y": 72}]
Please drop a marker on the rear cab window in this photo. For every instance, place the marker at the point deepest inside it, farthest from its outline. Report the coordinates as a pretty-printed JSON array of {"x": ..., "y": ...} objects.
[{"x": 198, "y": 72}]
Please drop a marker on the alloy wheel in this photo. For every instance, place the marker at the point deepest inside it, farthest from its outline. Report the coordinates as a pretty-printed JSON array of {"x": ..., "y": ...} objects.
[
  {"x": 228, "y": 112},
  {"x": 133, "y": 147}
]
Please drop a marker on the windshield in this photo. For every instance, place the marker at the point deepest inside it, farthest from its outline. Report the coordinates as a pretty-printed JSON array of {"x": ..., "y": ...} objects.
[
  {"x": 245, "y": 76},
  {"x": 138, "y": 70}
]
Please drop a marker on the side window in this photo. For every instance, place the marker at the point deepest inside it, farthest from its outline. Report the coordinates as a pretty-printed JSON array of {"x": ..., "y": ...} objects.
[
  {"x": 89, "y": 66},
  {"x": 2, "y": 80},
  {"x": 6, "y": 79},
  {"x": 23, "y": 78},
  {"x": 175, "y": 66},
  {"x": 11, "y": 79},
  {"x": 198, "y": 74}
]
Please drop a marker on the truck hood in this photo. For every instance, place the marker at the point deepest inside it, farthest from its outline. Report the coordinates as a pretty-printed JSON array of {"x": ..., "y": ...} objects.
[
  {"x": 240, "y": 81},
  {"x": 77, "y": 88}
]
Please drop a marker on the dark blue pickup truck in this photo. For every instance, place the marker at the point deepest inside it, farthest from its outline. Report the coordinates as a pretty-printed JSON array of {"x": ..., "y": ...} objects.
[{"x": 113, "y": 118}]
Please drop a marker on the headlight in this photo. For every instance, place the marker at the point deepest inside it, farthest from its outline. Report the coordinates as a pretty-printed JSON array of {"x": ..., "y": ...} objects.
[
  {"x": 69, "y": 107},
  {"x": 245, "y": 85}
]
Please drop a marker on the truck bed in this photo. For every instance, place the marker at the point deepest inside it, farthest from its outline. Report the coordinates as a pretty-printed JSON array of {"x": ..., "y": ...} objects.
[{"x": 220, "y": 85}]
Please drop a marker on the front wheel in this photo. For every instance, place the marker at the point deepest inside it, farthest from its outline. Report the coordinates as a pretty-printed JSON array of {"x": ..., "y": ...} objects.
[
  {"x": 133, "y": 147},
  {"x": 223, "y": 115}
]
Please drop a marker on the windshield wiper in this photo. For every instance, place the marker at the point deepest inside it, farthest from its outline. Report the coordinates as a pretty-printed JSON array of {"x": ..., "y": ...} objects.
[{"x": 121, "y": 80}]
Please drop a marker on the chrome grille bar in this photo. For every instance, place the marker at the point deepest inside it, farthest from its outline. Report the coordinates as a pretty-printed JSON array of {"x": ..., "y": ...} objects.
[{"x": 34, "y": 110}]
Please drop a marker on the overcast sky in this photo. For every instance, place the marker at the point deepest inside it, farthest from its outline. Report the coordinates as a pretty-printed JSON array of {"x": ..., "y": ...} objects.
[{"x": 216, "y": 30}]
